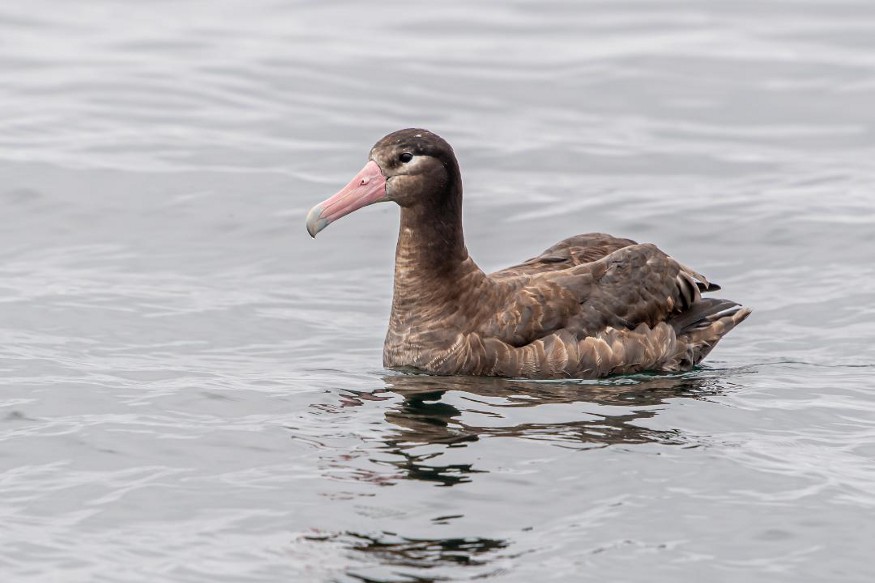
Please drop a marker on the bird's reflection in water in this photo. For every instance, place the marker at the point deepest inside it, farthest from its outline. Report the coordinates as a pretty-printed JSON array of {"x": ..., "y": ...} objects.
[
  {"x": 425, "y": 417},
  {"x": 417, "y": 553},
  {"x": 443, "y": 411}
]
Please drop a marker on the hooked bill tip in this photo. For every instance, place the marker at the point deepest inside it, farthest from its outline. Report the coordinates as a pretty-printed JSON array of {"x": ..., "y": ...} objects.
[{"x": 315, "y": 222}]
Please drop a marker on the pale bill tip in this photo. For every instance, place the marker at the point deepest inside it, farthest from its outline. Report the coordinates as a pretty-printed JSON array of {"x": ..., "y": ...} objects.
[{"x": 315, "y": 222}]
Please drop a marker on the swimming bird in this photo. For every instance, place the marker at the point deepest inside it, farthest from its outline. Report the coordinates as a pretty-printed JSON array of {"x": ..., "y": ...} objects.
[{"x": 590, "y": 306}]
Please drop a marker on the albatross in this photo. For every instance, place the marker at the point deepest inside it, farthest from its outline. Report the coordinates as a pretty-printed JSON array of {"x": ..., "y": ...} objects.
[{"x": 590, "y": 306}]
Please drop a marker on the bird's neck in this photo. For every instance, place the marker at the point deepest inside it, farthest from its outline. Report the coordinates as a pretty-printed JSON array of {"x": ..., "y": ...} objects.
[{"x": 433, "y": 271}]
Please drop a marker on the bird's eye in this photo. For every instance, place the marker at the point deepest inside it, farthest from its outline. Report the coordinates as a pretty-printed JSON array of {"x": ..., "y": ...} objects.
[{"x": 406, "y": 157}]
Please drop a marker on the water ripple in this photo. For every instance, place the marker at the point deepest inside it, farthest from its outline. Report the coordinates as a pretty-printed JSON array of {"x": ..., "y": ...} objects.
[{"x": 191, "y": 389}]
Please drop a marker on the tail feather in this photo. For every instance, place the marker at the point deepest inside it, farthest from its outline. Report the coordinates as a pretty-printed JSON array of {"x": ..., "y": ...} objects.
[
  {"x": 702, "y": 326},
  {"x": 702, "y": 313}
]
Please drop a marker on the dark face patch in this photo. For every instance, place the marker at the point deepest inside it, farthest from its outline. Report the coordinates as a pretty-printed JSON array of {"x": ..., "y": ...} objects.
[
  {"x": 419, "y": 166},
  {"x": 417, "y": 142}
]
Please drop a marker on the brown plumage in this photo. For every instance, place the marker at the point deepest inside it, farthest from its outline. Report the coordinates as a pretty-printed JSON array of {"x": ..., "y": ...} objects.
[{"x": 590, "y": 306}]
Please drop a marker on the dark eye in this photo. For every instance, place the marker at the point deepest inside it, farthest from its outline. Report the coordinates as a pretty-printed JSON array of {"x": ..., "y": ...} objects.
[{"x": 406, "y": 157}]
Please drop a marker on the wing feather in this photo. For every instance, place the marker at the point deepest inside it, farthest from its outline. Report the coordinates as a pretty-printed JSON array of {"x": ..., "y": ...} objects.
[
  {"x": 566, "y": 254},
  {"x": 633, "y": 285}
]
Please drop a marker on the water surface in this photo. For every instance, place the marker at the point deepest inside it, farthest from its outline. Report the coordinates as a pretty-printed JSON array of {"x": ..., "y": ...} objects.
[{"x": 191, "y": 388}]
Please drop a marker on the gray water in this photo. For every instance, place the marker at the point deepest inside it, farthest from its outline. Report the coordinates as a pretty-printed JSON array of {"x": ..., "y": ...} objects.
[{"x": 191, "y": 388}]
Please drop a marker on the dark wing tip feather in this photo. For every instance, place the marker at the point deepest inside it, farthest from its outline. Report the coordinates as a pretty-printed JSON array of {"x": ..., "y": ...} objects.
[{"x": 701, "y": 281}]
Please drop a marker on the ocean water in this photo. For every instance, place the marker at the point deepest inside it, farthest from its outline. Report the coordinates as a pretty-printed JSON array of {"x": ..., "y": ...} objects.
[{"x": 191, "y": 388}]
